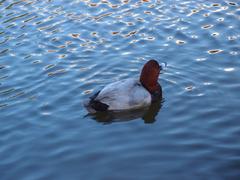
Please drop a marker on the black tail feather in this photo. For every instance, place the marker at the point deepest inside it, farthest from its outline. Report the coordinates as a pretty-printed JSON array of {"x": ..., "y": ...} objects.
[{"x": 96, "y": 104}]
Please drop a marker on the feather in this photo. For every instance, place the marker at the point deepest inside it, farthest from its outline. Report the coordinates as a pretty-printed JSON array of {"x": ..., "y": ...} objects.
[{"x": 124, "y": 94}]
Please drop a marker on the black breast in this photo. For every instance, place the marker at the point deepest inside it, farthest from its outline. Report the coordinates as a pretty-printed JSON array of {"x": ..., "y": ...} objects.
[{"x": 157, "y": 95}]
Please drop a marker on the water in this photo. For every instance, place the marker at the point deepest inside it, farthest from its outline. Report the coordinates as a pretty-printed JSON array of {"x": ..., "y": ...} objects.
[{"x": 55, "y": 54}]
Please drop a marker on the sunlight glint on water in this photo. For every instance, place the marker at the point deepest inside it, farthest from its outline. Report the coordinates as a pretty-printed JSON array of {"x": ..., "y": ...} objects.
[{"x": 55, "y": 54}]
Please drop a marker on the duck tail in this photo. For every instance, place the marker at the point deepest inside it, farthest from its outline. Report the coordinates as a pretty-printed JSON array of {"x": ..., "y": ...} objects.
[{"x": 94, "y": 105}]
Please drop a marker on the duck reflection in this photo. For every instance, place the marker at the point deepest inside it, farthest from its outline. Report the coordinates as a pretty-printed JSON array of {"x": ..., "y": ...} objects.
[{"x": 147, "y": 114}]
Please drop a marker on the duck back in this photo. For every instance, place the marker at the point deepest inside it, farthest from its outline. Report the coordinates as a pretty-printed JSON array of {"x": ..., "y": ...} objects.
[{"x": 122, "y": 95}]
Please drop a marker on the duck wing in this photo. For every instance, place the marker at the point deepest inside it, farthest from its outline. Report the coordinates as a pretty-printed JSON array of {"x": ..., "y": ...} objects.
[{"x": 124, "y": 94}]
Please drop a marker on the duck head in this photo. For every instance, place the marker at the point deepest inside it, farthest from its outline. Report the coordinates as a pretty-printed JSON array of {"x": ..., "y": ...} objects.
[{"x": 149, "y": 76}]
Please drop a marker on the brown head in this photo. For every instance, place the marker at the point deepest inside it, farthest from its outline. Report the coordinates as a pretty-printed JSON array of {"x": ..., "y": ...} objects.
[{"x": 149, "y": 76}]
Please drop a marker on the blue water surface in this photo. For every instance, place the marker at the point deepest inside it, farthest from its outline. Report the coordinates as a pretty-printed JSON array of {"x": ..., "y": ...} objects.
[{"x": 55, "y": 54}]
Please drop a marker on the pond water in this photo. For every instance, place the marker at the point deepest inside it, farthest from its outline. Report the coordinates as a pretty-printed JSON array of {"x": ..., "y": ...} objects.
[{"x": 55, "y": 54}]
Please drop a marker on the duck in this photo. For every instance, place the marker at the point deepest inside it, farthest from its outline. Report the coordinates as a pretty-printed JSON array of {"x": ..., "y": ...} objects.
[{"x": 129, "y": 94}]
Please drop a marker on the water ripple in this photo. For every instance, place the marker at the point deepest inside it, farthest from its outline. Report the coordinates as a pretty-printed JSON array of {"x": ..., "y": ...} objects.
[{"x": 55, "y": 54}]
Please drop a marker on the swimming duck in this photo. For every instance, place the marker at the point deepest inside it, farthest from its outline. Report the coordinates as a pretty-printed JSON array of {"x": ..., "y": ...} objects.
[{"x": 129, "y": 93}]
